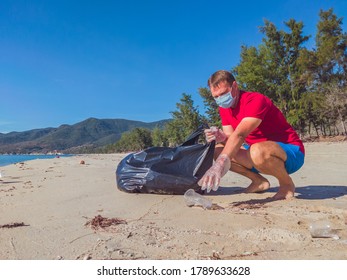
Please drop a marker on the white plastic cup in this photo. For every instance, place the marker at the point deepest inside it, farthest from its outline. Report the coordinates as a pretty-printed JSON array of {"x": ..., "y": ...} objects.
[
  {"x": 322, "y": 229},
  {"x": 194, "y": 199}
]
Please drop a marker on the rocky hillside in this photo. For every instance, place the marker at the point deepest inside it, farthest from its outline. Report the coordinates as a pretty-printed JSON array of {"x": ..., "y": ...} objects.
[{"x": 88, "y": 134}]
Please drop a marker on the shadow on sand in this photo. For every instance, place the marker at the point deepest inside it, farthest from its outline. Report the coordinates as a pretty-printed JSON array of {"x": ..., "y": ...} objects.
[
  {"x": 306, "y": 192},
  {"x": 320, "y": 192}
]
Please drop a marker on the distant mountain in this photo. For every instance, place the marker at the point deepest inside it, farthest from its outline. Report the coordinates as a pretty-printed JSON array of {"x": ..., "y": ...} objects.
[{"x": 90, "y": 133}]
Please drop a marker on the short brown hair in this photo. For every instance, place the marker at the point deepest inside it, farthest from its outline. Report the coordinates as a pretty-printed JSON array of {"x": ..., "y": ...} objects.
[{"x": 219, "y": 76}]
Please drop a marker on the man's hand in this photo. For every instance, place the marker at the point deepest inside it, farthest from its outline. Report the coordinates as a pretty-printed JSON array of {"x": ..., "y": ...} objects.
[
  {"x": 214, "y": 133},
  {"x": 211, "y": 179}
]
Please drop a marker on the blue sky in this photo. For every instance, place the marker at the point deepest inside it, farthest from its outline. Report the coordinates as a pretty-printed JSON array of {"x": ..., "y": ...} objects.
[{"x": 62, "y": 61}]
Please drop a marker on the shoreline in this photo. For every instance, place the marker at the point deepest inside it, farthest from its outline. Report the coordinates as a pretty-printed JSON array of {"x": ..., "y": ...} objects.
[
  {"x": 7, "y": 159},
  {"x": 62, "y": 209}
]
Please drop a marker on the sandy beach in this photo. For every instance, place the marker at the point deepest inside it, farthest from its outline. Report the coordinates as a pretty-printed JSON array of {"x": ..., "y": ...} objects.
[{"x": 48, "y": 209}]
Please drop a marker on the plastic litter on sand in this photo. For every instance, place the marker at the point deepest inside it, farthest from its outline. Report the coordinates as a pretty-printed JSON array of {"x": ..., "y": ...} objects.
[
  {"x": 194, "y": 199},
  {"x": 322, "y": 229}
]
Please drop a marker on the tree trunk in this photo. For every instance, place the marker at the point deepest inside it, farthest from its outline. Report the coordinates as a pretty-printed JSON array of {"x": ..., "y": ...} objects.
[
  {"x": 342, "y": 122},
  {"x": 316, "y": 129}
]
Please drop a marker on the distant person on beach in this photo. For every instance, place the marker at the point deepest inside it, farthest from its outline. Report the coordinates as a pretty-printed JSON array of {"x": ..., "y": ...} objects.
[{"x": 256, "y": 138}]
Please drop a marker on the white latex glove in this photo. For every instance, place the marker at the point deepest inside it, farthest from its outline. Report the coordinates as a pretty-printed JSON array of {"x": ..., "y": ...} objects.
[
  {"x": 211, "y": 179},
  {"x": 214, "y": 133}
]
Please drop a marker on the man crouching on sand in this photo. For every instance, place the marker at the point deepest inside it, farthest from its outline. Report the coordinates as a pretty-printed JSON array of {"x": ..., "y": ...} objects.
[{"x": 256, "y": 138}]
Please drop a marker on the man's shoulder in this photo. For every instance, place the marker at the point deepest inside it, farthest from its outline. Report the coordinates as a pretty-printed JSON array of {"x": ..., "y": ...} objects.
[{"x": 253, "y": 95}]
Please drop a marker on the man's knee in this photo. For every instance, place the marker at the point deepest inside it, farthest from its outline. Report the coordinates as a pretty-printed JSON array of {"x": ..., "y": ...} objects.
[
  {"x": 268, "y": 157},
  {"x": 259, "y": 154}
]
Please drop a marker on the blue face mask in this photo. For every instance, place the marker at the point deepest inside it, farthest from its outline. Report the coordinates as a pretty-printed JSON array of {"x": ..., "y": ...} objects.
[{"x": 225, "y": 101}]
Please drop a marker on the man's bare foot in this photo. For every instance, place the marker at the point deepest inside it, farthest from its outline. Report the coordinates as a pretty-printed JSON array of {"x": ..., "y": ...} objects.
[
  {"x": 284, "y": 193},
  {"x": 259, "y": 185}
]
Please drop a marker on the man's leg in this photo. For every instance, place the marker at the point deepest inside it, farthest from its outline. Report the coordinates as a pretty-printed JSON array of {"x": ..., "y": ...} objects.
[
  {"x": 242, "y": 159},
  {"x": 269, "y": 158},
  {"x": 258, "y": 184}
]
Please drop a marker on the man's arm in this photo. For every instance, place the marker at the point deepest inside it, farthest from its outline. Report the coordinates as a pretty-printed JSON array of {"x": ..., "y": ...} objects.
[
  {"x": 212, "y": 177},
  {"x": 228, "y": 130},
  {"x": 237, "y": 138}
]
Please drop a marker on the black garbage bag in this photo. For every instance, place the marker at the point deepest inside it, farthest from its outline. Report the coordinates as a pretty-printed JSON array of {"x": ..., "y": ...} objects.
[{"x": 165, "y": 170}]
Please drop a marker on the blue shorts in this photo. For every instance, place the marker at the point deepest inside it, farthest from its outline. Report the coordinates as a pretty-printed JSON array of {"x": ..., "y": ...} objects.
[{"x": 295, "y": 158}]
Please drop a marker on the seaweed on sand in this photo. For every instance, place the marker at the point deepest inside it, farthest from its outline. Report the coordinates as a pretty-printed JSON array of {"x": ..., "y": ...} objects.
[
  {"x": 99, "y": 222},
  {"x": 13, "y": 225}
]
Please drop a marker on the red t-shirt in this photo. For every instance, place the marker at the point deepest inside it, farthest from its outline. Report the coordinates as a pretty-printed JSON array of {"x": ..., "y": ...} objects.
[{"x": 274, "y": 126}]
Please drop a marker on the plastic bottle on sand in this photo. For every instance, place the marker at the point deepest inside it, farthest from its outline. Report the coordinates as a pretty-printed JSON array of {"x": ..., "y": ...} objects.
[
  {"x": 322, "y": 229},
  {"x": 194, "y": 199}
]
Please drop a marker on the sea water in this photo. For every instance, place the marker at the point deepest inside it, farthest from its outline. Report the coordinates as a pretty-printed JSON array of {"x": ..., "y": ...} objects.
[{"x": 10, "y": 159}]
